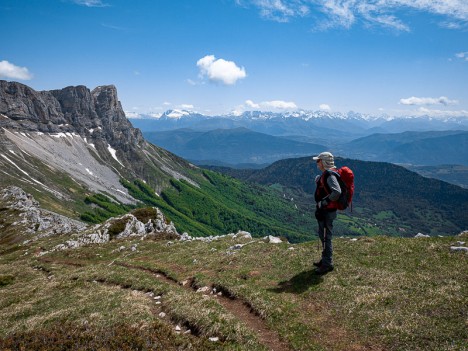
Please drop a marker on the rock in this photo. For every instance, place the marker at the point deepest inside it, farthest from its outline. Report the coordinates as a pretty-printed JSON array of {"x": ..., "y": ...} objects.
[
  {"x": 214, "y": 338},
  {"x": 421, "y": 235},
  {"x": 243, "y": 234},
  {"x": 204, "y": 290},
  {"x": 272, "y": 239},
  {"x": 236, "y": 247},
  {"x": 162, "y": 315},
  {"x": 35, "y": 221},
  {"x": 459, "y": 248}
]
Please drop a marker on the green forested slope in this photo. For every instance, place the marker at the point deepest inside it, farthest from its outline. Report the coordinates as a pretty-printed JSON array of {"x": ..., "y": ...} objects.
[{"x": 385, "y": 193}]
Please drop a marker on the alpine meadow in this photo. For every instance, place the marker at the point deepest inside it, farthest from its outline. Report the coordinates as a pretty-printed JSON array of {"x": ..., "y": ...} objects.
[{"x": 234, "y": 175}]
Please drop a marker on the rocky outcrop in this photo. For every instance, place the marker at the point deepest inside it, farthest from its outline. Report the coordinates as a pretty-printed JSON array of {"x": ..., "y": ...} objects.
[
  {"x": 96, "y": 115},
  {"x": 23, "y": 219},
  {"x": 140, "y": 223}
]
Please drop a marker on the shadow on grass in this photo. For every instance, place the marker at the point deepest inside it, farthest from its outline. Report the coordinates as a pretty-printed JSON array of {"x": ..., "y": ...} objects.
[{"x": 299, "y": 283}]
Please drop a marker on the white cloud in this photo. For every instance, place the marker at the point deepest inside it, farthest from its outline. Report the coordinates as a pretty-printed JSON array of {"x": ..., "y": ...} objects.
[
  {"x": 90, "y": 3},
  {"x": 219, "y": 70},
  {"x": 281, "y": 105},
  {"x": 131, "y": 114},
  {"x": 191, "y": 82},
  {"x": 252, "y": 104},
  {"x": 325, "y": 107},
  {"x": 443, "y": 100},
  {"x": 462, "y": 55},
  {"x": 345, "y": 13},
  {"x": 167, "y": 103},
  {"x": 282, "y": 10},
  {"x": 9, "y": 70},
  {"x": 422, "y": 111},
  {"x": 274, "y": 104},
  {"x": 186, "y": 106}
]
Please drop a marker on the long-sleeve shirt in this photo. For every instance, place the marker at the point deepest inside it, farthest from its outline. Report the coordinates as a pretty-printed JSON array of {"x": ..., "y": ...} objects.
[{"x": 334, "y": 186}]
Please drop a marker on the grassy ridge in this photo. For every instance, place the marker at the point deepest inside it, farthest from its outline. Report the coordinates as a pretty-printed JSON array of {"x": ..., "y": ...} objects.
[{"x": 385, "y": 294}]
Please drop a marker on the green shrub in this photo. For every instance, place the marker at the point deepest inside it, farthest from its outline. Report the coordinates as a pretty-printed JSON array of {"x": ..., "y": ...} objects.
[
  {"x": 144, "y": 214},
  {"x": 117, "y": 227}
]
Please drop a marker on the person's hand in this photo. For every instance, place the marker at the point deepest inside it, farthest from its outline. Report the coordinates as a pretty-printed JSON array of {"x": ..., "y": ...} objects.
[{"x": 322, "y": 204}]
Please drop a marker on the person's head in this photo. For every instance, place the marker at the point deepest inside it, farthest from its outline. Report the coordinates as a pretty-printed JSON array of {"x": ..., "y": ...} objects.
[{"x": 325, "y": 160}]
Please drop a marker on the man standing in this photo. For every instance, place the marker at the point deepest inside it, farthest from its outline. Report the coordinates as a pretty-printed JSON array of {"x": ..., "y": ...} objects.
[{"x": 326, "y": 194}]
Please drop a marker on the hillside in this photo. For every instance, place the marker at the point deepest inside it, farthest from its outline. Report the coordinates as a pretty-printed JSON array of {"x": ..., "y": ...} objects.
[
  {"x": 235, "y": 146},
  {"x": 387, "y": 197},
  {"x": 454, "y": 174},
  {"x": 151, "y": 293}
]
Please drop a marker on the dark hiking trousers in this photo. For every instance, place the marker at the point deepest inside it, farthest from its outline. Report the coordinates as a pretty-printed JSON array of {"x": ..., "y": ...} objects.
[{"x": 325, "y": 231}]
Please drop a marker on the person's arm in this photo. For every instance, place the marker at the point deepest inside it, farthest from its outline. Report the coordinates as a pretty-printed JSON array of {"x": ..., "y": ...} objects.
[{"x": 334, "y": 186}]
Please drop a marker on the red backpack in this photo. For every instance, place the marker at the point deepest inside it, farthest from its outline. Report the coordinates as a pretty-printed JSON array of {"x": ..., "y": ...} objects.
[{"x": 345, "y": 177}]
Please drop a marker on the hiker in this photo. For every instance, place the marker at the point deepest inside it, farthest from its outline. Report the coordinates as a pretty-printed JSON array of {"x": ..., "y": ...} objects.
[{"x": 327, "y": 193}]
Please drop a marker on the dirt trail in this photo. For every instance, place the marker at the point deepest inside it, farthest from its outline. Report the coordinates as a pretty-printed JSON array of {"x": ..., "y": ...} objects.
[{"x": 237, "y": 307}]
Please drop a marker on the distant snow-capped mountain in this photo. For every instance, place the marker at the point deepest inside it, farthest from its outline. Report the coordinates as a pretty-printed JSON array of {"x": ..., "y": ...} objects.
[{"x": 260, "y": 115}]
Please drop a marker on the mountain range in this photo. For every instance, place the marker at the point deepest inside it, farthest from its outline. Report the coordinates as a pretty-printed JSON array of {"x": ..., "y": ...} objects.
[
  {"x": 231, "y": 146},
  {"x": 329, "y": 126},
  {"x": 75, "y": 151},
  {"x": 414, "y": 142}
]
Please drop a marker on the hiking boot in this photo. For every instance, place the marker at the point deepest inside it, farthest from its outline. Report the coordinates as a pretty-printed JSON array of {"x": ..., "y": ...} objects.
[
  {"x": 317, "y": 264},
  {"x": 323, "y": 270}
]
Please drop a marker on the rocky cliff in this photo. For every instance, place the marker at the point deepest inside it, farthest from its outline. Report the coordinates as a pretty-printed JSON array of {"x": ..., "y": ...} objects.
[
  {"x": 95, "y": 114},
  {"x": 50, "y": 141}
]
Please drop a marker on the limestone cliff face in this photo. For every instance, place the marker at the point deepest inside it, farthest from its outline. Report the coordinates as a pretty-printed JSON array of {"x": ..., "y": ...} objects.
[
  {"x": 95, "y": 114},
  {"x": 81, "y": 132}
]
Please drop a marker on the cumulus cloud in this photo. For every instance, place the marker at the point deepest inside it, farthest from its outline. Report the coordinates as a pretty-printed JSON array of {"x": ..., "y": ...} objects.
[
  {"x": 251, "y": 104},
  {"x": 11, "y": 71},
  {"x": 220, "y": 70},
  {"x": 274, "y": 104},
  {"x": 345, "y": 13},
  {"x": 443, "y": 100},
  {"x": 325, "y": 107}
]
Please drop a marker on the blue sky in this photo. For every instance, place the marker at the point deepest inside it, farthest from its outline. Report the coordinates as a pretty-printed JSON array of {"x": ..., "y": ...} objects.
[{"x": 398, "y": 57}]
